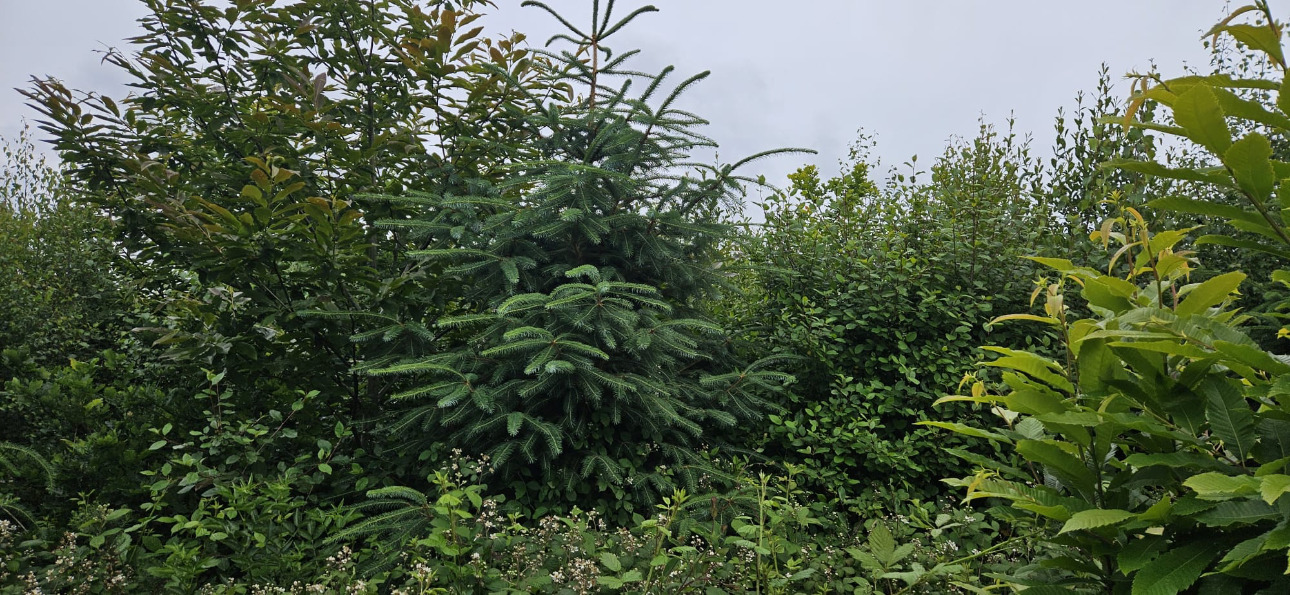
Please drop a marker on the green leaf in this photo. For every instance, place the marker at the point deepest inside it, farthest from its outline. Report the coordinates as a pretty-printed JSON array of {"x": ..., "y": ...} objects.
[
  {"x": 1251, "y": 355},
  {"x": 1222, "y": 240},
  {"x": 1249, "y": 109},
  {"x": 1250, "y": 161},
  {"x": 1192, "y": 206},
  {"x": 1237, "y": 512},
  {"x": 1242, "y": 552},
  {"x": 1273, "y": 486},
  {"x": 1139, "y": 552},
  {"x": 1175, "y": 570},
  {"x": 1274, "y": 441},
  {"x": 1230, "y": 417},
  {"x": 1034, "y": 402},
  {"x": 1210, "y": 293},
  {"x": 1283, "y": 96},
  {"x": 1152, "y": 168},
  {"x": 882, "y": 544},
  {"x": 1041, "y": 369},
  {"x": 611, "y": 561},
  {"x": 1095, "y": 518},
  {"x": 1098, "y": 366},
  {"x": 966, "y": 430},
  {"x": 1198, "y": 113},
  {"x": 1217, "y": 486},
  {"x": 1108, "y": 292},
  {"x": 1261, "y": 38},
  {"x": 1174, "y": 460},
  {"x": 1068, "y": 469}
]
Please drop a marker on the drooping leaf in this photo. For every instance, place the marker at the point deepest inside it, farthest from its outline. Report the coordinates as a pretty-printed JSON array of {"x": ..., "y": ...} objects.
[
  {"x": 1230, "y": 416},
  {"x": 1066, "y": 467},
  {"x": 966, "y": 430}
]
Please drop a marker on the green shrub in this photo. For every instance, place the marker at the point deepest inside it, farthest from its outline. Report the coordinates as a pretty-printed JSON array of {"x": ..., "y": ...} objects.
[
  {"x": 885, "y": 294},
  {"x": 60, "y": 294},
  {"x": 1154, "y": 445}
]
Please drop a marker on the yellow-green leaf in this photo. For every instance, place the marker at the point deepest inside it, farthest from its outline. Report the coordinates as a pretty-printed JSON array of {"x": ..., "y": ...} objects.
[
  {"x": 1273, "y": 487},
  {"x": 965, "y": 430},
  {"x": 1217, "y": 486},
  {"x": 1197, "y": 111},
  {"x": 1210, "y": 293},
  {"x": 1095, "y": 518}
]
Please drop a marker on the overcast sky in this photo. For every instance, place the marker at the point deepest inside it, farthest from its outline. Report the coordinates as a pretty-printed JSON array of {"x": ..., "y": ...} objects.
[{"x": 801, "y": 74}]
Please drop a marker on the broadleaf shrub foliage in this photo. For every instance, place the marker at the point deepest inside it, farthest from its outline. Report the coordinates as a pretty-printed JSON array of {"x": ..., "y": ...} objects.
[{"x": 1156, "y": 444}]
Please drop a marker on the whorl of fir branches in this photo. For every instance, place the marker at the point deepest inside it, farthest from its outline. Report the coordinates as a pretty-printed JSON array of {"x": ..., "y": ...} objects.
[{"x": 579, "y": 357}]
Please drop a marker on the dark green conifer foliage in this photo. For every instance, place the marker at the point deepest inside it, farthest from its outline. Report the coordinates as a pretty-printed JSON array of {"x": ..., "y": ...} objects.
[{"x": 581, "y": 359}]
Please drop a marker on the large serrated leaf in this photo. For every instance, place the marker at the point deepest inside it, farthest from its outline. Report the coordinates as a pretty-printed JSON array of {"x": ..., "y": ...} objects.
[
  {"x": 1189, "y": 460},
  {"x": 1218, "y": 486},
  {"x": 1193, "y": 206},
  {"x": 1230, "y": 416},
  {"x": 1198, "y": 113},
  {"x": 882, "y": 544},
  {"x": 1250, "y": 161},
  {"x": 1283, "y": 96},
  {"x": 1242, "y": 552},
  {"x": 1095, "y": 518},
  {"x": 1176, "y": 569},
  {"x": 1139, "y": 552},
  {"x": 1263, "y": 38},
  {"x": 610, "y": 561},
  {"x": 1210, "y": 293},
  {"x": 1035, "y": 366},
  {"x": 1237, "y": 512},
  {"x": 1068, "y": 469},
  {"x": 1152, "y": 168}
]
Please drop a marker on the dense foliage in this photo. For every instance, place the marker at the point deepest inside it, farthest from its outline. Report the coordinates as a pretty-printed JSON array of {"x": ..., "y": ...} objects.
[
  {"x": 885, "y": 293},
  {"x": 354, "y": 296},
  {"x": 1155, "y": 445}
]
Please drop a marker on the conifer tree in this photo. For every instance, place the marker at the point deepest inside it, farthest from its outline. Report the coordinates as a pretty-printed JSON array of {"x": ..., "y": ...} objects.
[{"x": 579, "y": 358}]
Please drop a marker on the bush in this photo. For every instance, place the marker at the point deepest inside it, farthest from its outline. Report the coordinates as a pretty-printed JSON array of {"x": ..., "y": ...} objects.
[
  {"x": 885, "y": 294},
  {"x": 1155, "y": 443},
  {"x": 60, "y": 295}
]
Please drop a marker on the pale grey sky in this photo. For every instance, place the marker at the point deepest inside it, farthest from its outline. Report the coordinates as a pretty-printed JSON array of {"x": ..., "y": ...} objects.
[{"x": 806, "y": 73}]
